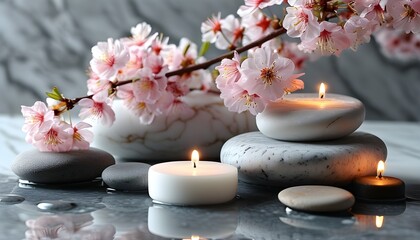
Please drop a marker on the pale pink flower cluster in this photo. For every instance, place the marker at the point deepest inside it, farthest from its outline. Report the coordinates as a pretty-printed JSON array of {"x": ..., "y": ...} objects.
[
  {"x": 260, "y": 79},
  {"x": 49, "y": 133},
  {"x": 399, "y": 45},
  {"x": 143, "y": 59}
]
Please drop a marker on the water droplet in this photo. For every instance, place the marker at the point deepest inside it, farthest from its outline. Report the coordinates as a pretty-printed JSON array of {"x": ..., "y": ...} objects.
[
  {"x": 11, "y": 199},
  {"x": 56, "y": 205}
]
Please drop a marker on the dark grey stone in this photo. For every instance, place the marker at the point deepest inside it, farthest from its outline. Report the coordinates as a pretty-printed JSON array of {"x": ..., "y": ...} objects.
[
  {"x": 61, "y": 167},
  {"x": 130, "y": 176}
]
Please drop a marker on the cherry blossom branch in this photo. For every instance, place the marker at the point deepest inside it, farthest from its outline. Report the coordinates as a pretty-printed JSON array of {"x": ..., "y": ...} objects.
[
  {"x": 71, "y": 102},
  {"x": 210, "y": 62}
]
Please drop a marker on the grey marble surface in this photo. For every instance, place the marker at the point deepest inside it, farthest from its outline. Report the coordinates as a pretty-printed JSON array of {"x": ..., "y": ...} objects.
[
  {"x": 90, "y": 211},
  {"x": 47, "y": 43}
]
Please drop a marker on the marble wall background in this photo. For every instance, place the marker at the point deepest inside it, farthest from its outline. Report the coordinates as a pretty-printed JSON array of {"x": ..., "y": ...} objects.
[{"x": 44, "y": 43}]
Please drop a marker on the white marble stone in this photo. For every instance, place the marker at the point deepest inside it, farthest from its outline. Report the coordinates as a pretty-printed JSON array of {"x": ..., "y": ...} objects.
[
  {"x": 206, "y": 128},
  {"x": 130, "y": 176},
  {"x": 265, "y": 161},
  {"x": 61, "y": 167},
  {"x": 316, "y": 198},
  {"x": 306, "y": 117}
]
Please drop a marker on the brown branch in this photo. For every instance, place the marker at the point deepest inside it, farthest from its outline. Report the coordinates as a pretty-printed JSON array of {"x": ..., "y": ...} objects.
[
  {"x": 207, "y": 64},
  {"x": 204, "y": 65}
]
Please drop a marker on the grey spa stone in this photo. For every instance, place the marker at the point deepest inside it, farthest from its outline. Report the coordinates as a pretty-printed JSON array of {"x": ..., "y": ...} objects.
[
  {"x": 265, "y": 161},
  {"x": 61, "y": 167},
  {"x": 129, "y": 176}
]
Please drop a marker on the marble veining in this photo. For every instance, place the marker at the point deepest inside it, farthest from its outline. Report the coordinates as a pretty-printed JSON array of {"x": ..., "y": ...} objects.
[
  {"x": 208, "y": 126},
  {"x": 266, "y": 161}
]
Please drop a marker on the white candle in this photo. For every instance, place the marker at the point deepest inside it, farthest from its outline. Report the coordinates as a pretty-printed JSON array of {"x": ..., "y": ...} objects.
[
  {"x": 311, "y": 117},
  {"x": 183, "y": 223},
  {"x": 180, "y": 183}
]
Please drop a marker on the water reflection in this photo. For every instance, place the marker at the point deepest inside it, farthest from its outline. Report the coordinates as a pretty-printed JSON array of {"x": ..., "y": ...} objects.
[
  {"x": 373, "y": 215},
  {"x": 317, "y": 221},
  {"x": 68, "y": 226},
  {"x": 192, "y": 223}
]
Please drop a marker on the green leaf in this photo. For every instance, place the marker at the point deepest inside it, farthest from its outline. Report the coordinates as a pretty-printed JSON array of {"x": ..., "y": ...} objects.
[
  {"x": 204, "y": 48},
  {"x": 56, "y": 91},
  {"x": 186, "y": 49},
  {"x": 55, "y": 94}
]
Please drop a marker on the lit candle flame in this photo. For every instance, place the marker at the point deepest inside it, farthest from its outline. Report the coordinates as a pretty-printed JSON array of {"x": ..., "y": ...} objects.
[
  {"x": 322, "y": 91},
  {"x": 195, "y": 237},
  {"x": 379, "y": 221},
  {"x": 195, "y": 157},
  {"x": 380, "y": 170}
]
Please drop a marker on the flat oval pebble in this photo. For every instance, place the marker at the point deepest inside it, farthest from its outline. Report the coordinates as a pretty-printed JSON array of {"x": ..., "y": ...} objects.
[
  {"x": 10, "y": 199},
  {"x": 266, "y": 161},
  {"x": 128, "y": 176},
  {"x": 61, "y": 167},
  {"x": 315, "y": 198},
  {"x": 305, "y": 117}
]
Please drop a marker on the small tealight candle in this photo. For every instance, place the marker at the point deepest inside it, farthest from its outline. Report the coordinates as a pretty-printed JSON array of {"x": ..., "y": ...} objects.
[
  {"x": 192, "y": 182},
  {"x": 379, "y": 187},
  {"x": 311, "y": 116}
]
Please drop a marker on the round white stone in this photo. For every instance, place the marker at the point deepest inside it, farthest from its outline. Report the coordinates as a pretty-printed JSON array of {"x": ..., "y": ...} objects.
[
  {"x": 314, "y": 198},
  {"x": 129, "y": 176},
  {"x": 305, "y": 117},
  {"x": 266, "y": 161},
  {"x": 61, "y": 167}
]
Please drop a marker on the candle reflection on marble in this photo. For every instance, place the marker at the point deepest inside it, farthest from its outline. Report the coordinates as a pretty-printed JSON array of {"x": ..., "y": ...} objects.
[{"x": 186, "y": 223}]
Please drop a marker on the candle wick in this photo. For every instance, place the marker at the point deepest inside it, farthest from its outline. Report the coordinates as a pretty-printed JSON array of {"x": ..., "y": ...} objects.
[
  {"x": 195, "y": 166},
  {"x": 321, "y": 96},
  {"x": 380, "y": 175}
]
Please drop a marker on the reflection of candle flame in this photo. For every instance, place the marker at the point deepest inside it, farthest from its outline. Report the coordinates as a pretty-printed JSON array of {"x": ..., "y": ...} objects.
[
  {"x": 380, "y": 170},
  {"x": 195, "y": 157},
  {"x": 322, "y": 91},
  {"x": 379, "y": 220}
]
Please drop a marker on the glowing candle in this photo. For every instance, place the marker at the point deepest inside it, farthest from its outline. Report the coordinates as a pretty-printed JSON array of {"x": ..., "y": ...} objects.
[
  {"x": 379, "y": 187},
  {"x": 192, "y": 182},
  {"x": 311, "y": 116}
]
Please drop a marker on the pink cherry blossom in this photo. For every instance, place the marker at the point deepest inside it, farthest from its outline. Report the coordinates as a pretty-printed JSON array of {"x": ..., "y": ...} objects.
[
  {"x": 108, "y": 58},
  {"x": 148, "y": 88},
  {"x": 290, "y": 50},
  {"x": 331, "y": 40},
  {"x": 237, "y": 99},
  {"x": 252, "y": 5},
  {"x": 97, "y": 108},
  {"x": 405, "y": 15},
  {"x": 144, "y": 110},
  {"x": 267, "y": 74},
  {"x": 359, "y": 30},
  {"x": 141, "y": 34},
  {"x": 211, "y": 29},
  {"x": 37, "y": 117},
  {"x": 82, "y": 137},
  {"x": 300, "y": 22},
  {"x": 233, "y": 33},
  {"x": 156, "y": 64},
  {"x": 373, "y": 10},
  {"x": 256, "y": 26},
  {"x": 396, "y": 44},
  {"x": 228, "y": 71},
  {"x": 57, "y": 138}
]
